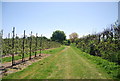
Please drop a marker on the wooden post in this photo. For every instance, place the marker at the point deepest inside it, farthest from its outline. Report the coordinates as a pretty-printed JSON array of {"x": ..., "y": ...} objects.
[
  {"x": 8, "y": 43},
  {"x": 8, "y": 38},
  {"x": 13, "y": 63},
  {"x": 36, "y": 46},
  {"x": 99, "y": 38},
  {"x": 40, "y": 44},
  {"x": 16, "y": 41},
  {"x": 23, "y": 47},
  {"x": 1, "y": 41},
  {"x": 30, "y": 45}
]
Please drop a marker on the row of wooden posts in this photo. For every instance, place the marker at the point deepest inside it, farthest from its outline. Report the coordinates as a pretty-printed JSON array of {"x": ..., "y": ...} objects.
[{"x": 23, "y": 47}]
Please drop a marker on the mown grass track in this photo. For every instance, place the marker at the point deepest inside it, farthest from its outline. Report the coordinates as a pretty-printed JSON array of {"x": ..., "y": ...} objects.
[{"x": 66, "y": 64}]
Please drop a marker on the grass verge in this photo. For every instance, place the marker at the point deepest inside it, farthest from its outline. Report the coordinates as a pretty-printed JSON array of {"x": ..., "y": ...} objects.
[{"x": 111, "y": 68}]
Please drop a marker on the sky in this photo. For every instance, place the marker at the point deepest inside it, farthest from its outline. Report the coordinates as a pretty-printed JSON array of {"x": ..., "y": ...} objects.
[
  {"x": 46, "y": 17},
  {"x": 0, "y": 15}
]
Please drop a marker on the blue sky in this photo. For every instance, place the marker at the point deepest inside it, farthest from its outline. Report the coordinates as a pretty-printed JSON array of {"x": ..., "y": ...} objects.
[
  {"x": 0, "y": 15},
  {"x": 46, "y": 17}
]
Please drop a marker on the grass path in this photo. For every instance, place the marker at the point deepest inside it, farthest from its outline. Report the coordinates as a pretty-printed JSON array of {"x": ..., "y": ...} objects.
[{"x": 66, "y": 64}]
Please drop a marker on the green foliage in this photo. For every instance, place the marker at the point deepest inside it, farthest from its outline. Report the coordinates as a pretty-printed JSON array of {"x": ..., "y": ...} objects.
[
  {"x": 58, "y": 36},
  {"x": 7, "y": 45},
  {"x": 26, "y": 46},
  {"x": 67, "y": 42},
  {"x": 50, "y": 51},
  {"x": 73, "y": 37},
  {"x": 105, "y": 44}
]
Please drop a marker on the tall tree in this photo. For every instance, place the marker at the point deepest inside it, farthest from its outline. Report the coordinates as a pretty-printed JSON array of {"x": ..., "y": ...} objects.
[{"x": 58, "y": 36}]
